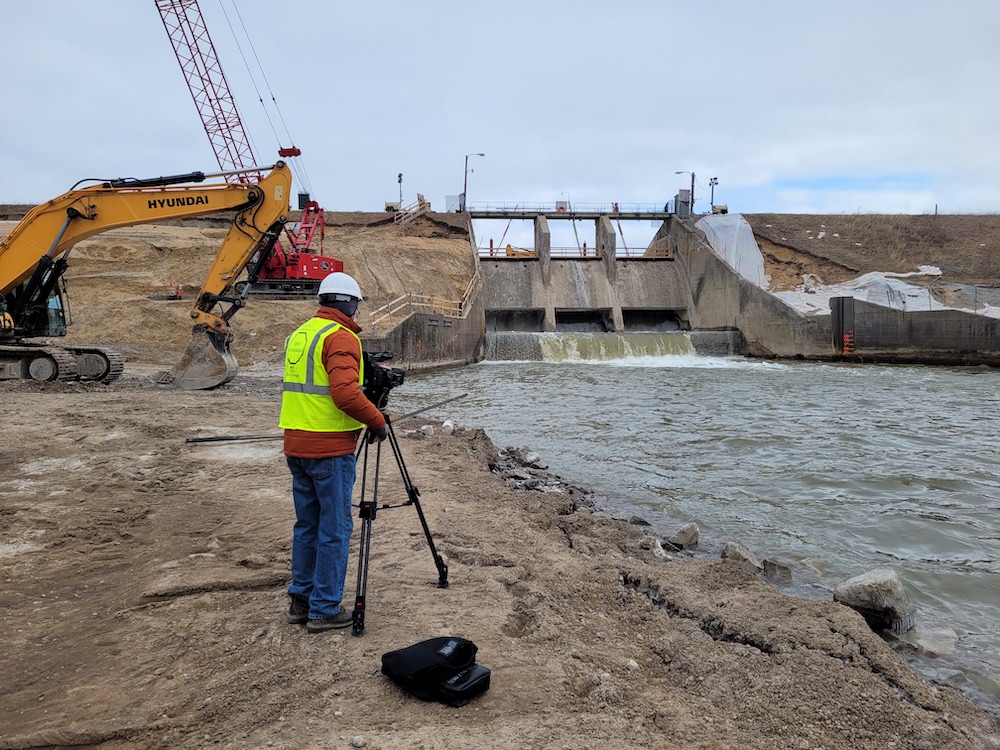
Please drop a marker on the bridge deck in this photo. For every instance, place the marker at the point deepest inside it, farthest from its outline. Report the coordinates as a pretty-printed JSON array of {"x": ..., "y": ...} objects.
[{"x": 550, "y": 214}]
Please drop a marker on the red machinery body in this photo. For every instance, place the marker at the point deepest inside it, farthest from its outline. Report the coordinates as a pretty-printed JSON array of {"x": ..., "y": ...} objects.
[
  {"x": 302, "y": 234},
  {"x": 292, "y": 265},
  {"x": 292, "y": 271}
]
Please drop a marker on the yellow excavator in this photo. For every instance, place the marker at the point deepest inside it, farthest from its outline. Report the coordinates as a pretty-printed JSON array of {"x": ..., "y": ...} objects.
[{"x": 33, "y": 258}]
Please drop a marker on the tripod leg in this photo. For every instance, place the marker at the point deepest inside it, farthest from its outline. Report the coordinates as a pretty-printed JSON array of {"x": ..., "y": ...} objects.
[
  {"x": 367, "y": 512},
  {"x": 414, "y": 499},
  {"x": 358, "y": 616}
]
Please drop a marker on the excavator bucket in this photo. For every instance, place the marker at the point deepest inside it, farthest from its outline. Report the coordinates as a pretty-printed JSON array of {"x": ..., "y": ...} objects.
[{"x": 206, "y": 363}]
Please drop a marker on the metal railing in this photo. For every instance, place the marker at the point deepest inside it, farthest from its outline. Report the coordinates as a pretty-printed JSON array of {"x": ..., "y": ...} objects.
[
  {"x": 610, "y": 207},
  {"x": 659, "y": 249}
]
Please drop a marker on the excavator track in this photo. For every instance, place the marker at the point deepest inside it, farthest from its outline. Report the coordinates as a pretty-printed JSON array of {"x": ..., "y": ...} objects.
[
  {"x": 98, "y": 363},
  {"x": 37, "y": 362}
]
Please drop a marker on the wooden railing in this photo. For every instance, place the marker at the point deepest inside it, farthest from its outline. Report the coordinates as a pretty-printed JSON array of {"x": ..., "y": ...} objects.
[
  {"x": 391, "y": 314},
  {"x": 409, "y": 213}
]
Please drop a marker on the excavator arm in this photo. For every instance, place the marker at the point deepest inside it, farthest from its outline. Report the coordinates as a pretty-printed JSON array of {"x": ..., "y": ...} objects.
[{"x": 34, "y": 255}]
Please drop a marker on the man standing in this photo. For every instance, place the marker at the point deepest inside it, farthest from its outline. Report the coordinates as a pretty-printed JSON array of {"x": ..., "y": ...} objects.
[{"x": 323, "y": 410}]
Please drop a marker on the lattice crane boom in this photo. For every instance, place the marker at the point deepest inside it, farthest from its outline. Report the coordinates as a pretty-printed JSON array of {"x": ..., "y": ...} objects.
[
  {"x": 216, "y": 105},
  {"x": 208, "y": 86}
]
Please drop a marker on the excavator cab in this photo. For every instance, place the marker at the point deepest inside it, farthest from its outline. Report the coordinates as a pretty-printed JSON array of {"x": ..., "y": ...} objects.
[
  {"x": 57, "y": 310},
  {"x": 37, "y": 317}
]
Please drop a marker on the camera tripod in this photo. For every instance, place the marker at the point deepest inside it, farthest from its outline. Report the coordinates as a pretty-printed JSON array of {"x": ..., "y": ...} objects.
[{"x": 368, "y": 506}]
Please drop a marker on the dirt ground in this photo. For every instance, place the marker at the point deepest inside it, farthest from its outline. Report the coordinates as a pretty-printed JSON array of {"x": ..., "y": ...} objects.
[
  {"x": 143, "y": 604},
  {"x": 143, "y": 600}
]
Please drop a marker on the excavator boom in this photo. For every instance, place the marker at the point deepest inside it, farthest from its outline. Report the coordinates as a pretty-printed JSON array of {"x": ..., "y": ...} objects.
[{"x": 34, "y": 256}]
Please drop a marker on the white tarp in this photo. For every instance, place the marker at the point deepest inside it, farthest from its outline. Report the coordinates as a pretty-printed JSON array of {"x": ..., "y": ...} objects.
[
  {"x": 731, "y": 238},
  {"x": 887, "y": 290}
]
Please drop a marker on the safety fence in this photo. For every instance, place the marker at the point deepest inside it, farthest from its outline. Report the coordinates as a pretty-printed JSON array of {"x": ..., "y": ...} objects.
[{"x": 385, "y": 318}]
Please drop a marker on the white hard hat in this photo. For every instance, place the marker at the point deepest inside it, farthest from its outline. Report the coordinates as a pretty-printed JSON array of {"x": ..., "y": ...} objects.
[{"x": 340, "y": 284}]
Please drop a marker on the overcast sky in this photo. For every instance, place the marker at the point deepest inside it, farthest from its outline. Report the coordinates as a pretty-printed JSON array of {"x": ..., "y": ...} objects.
[{"x": 872, "y": 106}]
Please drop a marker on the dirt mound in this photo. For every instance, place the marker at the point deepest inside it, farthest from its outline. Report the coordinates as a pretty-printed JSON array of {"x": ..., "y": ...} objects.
[
  {"x": 842, "y": 246},
  {"x": 112, "y": 276}
]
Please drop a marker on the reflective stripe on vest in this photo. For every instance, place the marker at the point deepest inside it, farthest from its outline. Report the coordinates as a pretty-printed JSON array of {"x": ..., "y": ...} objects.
[{"x": 305, "y": 397}]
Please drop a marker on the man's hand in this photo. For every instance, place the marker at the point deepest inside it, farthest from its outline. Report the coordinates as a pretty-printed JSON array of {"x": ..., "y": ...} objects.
[{"x": 377, "y": 436}]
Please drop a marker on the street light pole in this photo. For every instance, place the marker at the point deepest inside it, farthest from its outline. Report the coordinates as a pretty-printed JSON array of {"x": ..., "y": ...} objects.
[
  {"x": 713, "y": 182},
  {"x": 692, "y": 188},
  {"x": 465, "y": 184}
]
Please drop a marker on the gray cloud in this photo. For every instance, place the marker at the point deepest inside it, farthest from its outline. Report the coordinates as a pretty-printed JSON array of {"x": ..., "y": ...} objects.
[{"x": 603, "y": 101}]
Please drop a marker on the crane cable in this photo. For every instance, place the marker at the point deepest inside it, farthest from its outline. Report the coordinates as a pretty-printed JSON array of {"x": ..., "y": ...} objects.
[
  {"x": 624, "y": 244},
  {"x": 507, "y": 227},
  {"x": 297, "y": 167}
]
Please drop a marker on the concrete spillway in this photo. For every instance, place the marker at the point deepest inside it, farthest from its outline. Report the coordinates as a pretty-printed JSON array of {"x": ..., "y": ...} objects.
[
  {"x": 546, "y": 293},
  {"x": 569, "y": 347}
]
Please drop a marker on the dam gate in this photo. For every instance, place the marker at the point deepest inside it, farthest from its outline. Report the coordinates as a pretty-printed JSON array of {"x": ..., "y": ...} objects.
[{"x": 598, "y": 289}]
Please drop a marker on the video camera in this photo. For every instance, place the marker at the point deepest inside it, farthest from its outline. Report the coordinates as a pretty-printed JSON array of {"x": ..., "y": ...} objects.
[{"x": 380, "y": 380}]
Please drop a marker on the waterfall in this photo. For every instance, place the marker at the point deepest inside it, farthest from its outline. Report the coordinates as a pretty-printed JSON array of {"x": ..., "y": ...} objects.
[{"x": 568, "y": 347}]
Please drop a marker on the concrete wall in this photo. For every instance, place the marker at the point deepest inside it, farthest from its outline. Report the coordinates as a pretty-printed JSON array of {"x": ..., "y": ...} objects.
[
  {"x": 882, "y": 334},
  {"x": 720, "y": 299},
  {"x": 426, "y": 341},
  {"x": 511, "y": 284},
  {"x": 658, "y": 283}
]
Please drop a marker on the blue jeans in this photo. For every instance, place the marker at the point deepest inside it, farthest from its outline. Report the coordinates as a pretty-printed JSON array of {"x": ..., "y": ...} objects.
[{"x": 321, "y": 489}]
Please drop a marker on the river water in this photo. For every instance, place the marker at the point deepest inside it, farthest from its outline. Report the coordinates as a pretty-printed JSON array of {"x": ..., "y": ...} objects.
[{"x": 833, "y": 469}]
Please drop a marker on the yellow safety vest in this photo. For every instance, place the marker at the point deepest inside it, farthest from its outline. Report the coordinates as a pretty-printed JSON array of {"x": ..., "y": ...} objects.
[{"x": 305, "y": 394}]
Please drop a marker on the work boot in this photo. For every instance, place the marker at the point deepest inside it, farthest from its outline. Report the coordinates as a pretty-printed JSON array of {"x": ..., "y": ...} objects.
[
  {"x": 342, "y": 619},
  {"x": 298, "y": 610}
]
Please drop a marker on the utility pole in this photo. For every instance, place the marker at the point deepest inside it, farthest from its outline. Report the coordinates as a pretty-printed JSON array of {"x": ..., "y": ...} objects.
[
  {"x": 465, "y": 184},
  {"x": 401, "y": 190}
]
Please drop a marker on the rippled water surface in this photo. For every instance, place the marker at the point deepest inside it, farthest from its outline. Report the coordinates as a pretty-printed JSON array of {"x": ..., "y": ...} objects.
[{"x": 835, "y": 469}]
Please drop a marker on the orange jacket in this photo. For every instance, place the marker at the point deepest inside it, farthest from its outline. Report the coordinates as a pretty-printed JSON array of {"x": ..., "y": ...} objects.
[{"x": 342, "y": 359}]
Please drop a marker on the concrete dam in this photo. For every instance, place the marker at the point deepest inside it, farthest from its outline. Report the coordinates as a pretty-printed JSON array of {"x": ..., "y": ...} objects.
[
  {"x": 603, "y": 307},
  {"x": 679, "y": 297},
  {"x": 605, "y": 292}
]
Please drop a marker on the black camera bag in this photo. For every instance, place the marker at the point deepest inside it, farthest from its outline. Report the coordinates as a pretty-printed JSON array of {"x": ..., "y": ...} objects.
[{"x": 439, "y": 669}]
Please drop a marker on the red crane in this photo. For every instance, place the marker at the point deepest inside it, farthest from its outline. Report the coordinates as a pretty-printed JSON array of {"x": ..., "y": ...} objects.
[{"x": 294, "y": 271}]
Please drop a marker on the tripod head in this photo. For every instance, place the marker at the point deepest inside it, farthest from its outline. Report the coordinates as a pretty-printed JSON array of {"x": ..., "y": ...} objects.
[{"x": 379, "y": 380}]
